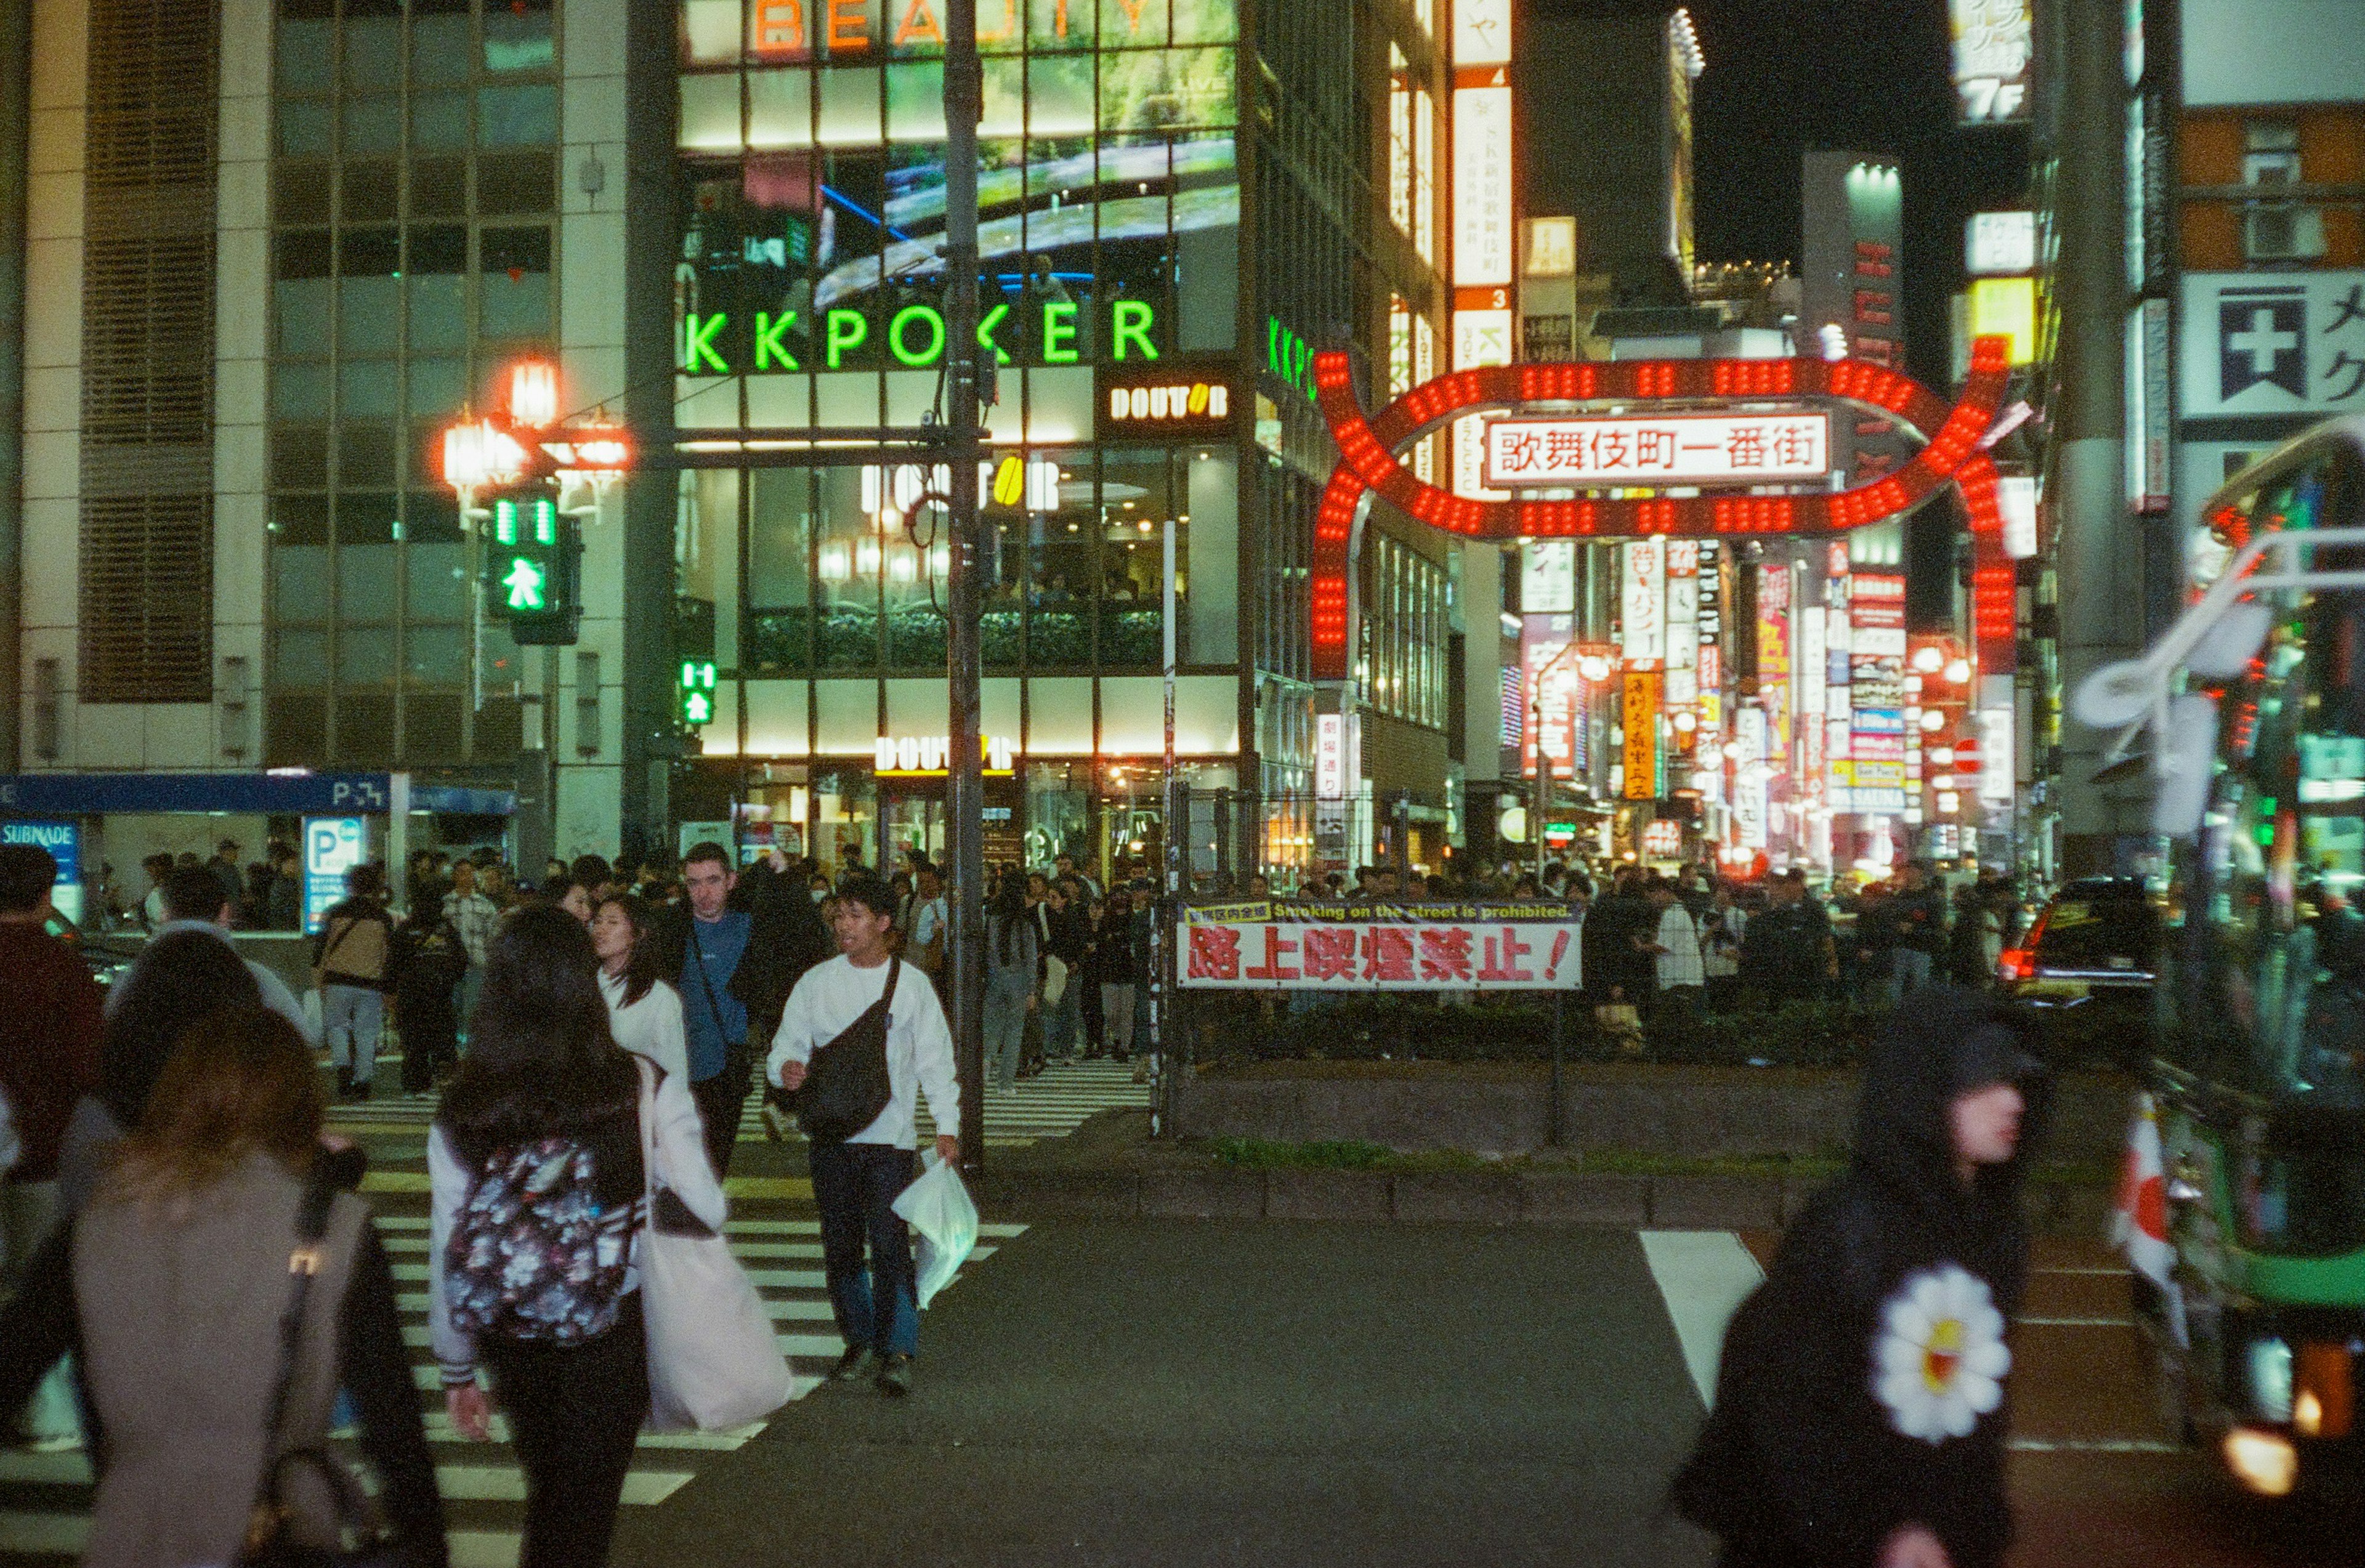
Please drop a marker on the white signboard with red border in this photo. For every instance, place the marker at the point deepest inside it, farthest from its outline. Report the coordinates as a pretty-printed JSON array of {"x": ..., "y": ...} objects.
[
  {"x": 1268, "y": 944},
  {"x": 1675, "y": 449}
]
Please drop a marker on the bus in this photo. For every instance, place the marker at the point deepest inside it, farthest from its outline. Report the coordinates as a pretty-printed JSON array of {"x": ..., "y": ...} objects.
[{"x": 2254, "y": 707}]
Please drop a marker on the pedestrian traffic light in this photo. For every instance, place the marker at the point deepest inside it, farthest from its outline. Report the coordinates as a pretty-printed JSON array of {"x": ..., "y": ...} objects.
[
  {"x": 533, "y": 568},
  {"x": 696, "y": 690}
]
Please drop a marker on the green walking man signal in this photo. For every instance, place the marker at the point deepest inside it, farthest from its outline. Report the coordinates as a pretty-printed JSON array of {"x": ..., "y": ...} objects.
[
  {"x": 697, "y": 692},
  {"x": 534, "y": 570}
]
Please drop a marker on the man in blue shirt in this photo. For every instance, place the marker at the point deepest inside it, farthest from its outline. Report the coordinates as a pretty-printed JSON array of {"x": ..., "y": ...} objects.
[{"x": 742, "y": 948}]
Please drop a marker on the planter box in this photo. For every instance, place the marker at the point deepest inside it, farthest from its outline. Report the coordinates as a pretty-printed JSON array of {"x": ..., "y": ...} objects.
[{"x": 1685, "y": 1112}]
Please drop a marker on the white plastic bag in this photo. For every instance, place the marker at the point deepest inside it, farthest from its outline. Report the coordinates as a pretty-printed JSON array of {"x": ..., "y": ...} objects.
[{"x": 939, "y": 1208}]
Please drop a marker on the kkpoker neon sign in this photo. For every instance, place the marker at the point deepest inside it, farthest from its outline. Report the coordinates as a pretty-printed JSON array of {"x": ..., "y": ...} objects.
[{"x": 913, "y": 336}]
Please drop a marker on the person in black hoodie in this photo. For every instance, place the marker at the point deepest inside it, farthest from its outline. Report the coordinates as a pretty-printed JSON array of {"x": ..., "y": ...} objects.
[{"x": 1859, "y": 1419}]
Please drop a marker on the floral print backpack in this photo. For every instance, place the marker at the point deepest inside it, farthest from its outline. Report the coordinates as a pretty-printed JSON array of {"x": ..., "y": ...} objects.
[{"x": 532, "y": 1256}]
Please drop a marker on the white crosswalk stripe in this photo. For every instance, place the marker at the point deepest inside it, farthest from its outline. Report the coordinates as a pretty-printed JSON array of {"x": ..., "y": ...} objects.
[
  {"x": 44, "y": 1497},
  {"x": 1051, "y": 1104}
]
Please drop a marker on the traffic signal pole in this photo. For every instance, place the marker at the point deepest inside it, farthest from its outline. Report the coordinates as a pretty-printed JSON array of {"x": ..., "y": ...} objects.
[{"x": 965, "y": 826}]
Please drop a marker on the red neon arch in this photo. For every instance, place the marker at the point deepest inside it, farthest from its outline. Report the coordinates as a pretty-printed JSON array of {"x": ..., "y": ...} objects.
[{"x": 1368, "y": 465}]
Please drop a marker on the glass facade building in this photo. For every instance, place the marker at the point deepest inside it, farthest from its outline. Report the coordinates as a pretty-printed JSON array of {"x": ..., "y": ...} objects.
[
  {"x": 1170, "y": 191},
  {"x": 414, "y": 189}
]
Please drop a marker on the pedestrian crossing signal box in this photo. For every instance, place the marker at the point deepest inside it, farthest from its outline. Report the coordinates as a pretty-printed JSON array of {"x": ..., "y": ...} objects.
[
  {"x": 696, "y": 691},
  {"x": 534, "y": 570}
]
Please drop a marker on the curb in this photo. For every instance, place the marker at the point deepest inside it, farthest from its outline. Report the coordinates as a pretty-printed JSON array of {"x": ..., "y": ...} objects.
[{"x": 1449, "y": 1197}]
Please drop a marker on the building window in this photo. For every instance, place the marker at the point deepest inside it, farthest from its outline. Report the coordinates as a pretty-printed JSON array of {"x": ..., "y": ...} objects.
[{"x": 413, "y": 246}]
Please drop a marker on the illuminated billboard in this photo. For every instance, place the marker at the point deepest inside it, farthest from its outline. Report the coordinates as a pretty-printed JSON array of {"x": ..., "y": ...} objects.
[
  {"x": 1673, "y": 449},
  {"x": 1994, "y": 41},
  {"x": 812, "y": 143}
]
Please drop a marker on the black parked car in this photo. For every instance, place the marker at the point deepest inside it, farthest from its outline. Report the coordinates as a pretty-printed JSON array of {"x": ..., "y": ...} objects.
[{"x": 2087, "y": 965}]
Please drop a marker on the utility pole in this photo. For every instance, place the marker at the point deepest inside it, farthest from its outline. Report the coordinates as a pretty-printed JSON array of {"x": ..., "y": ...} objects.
[
  {"x": 965, "y": 826},
  {"x": 2100, "y": 562}
]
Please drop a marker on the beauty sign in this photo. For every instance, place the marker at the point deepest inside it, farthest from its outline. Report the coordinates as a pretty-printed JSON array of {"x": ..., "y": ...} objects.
[{"x": 1267, "y": 945}]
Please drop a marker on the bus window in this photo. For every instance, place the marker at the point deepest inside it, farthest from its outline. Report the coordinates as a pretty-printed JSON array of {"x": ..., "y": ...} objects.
[{"x": 2281, "y": 1004}]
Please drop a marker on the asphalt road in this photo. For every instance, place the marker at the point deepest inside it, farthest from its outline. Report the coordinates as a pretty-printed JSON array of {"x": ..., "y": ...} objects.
[{"x": 1183, "y": 1392}]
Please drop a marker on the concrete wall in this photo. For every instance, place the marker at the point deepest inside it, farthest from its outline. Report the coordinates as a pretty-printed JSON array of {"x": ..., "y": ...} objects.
[{"x": 1693, "y": 1113}]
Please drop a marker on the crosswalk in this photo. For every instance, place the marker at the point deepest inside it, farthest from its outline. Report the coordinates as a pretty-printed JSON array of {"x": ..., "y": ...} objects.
[
  {"x": 1051, "y": 1104},
  {"x": 45, "y": 1496}
]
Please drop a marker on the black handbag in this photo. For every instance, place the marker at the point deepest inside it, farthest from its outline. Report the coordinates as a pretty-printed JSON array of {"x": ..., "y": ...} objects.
[
  {"x": 846, "y": 1084},
  {"x": 271, "y": 1541}
]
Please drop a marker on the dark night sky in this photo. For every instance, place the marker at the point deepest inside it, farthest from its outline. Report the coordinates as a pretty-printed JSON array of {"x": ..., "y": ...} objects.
[{"x": 1870, "y": 75}]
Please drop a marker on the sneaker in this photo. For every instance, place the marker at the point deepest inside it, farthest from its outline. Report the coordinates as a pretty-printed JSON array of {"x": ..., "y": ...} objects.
[
  {"x": 895, "y": 1379},
  {"x": 776, "y": 1122},
  {"x": 857, "y": 1362}
]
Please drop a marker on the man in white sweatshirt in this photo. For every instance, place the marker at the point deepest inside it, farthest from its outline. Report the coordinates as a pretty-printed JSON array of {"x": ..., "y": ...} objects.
[{"x": 856, "y": 1182}]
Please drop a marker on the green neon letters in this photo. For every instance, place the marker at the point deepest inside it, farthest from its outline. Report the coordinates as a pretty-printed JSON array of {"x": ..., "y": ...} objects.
[
  {"x": 847, "y": 330},
  {"x": 915, "y": 336},
  {"x": 1129, "y": 323},
  {"x": 1060, "y": 334},
  {"x": 698, "y": 342},
  {"x": 985, "y": 326},
  {"x": 770, "y": 346},
  {"x": 935, "y": 324}
]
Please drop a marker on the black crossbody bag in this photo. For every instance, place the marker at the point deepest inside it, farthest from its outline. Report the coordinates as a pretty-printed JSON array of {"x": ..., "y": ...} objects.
[{"x": 845, "y": 1085}]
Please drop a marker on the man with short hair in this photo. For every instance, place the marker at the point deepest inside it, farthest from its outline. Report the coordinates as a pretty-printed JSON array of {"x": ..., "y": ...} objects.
[
  {"x": 1675, "y": 945},
  {"x": 1920, "y": 910},
  {"x": 225, "y": 869},
  {"x": 193, "y": 902},
  {"x": 1065, "y": 864},
  {"x": 474, "y": 916},
  {"x": 734, "y": 960},
  {"x": 855, "y": 1181},
  {"x": 349, "y": 964},
  {"x": 48, "y": 1060},
  {"x": 48, "y": 1052}
]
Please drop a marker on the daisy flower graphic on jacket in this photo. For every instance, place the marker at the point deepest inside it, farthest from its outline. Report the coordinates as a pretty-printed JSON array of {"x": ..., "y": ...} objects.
[{"x": 1939, "y": 1361}]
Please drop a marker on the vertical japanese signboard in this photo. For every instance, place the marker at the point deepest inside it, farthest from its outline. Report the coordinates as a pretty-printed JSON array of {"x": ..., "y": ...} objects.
[
  {"x": 1641, "y": 720},
  {"x": 1642, "y": 621},
  {"x": 1876, "y": 682},
  {"x": 1683, "y": 623},
  {"x": 1774, "y": 661},
  {"x": 1709, "y": 616},
  {"x": 1994, "y": 41},
  {"x": 1486, "y": 211}
]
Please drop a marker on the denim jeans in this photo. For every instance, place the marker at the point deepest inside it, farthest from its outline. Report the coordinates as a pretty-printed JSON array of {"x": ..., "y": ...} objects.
[
  {"x": 350, "y": 1019},
  {"x": 1064, "y": 1019},
  {"x": 1910, "y": 972},
  {"x": 855, "y": 1186},
  {"x": 1006, "y": 992}
]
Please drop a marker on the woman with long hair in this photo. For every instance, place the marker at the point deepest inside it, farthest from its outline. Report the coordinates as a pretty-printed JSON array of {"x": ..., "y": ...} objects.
[
  {"x": 170, "y": 1290},
  {"x": 182, "y": 977},
  {"x": 544, "y": 1122},
  {"x": 1012, "y": 954},
  {"x": 643, "y": 1009}
]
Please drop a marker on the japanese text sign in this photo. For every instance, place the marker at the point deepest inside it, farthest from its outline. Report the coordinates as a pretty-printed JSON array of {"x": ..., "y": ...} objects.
[
  {"x": 2273, "y": 343},
  {"x": 1692, "y": 449},
  {"x": 1267, "y": 945}
]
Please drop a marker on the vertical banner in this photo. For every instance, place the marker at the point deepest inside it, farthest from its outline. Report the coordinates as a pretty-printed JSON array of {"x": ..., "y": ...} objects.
[
  {"x": 1642, "y": 621},
  {"x": 1683, "y": 623},
  {"x": 1774, "y": 661},
  {"x": 1641, "y": 719},
  {"x": 1486, "y": 211},
  {"x": 1709, "y": 616},
  {"x": 1749, "y": 778}
]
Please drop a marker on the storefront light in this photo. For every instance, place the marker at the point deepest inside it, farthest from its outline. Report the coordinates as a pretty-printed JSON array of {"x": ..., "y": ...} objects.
[
  {"x": 1927, "y": 660},
  {"x": 1959, "y": 671},
  {"x": 836, "y": 564},
  {"x": 865, "y": 558},
  {"x": 903, "y": 566},
  {"x": 1933, "y": 718}
]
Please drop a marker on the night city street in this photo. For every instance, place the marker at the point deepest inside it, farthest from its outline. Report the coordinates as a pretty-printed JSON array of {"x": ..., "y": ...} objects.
[{"x": 1173, "y": 782}]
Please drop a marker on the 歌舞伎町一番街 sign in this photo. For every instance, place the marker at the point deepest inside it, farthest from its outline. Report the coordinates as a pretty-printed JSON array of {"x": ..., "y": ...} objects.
[{"x": 1262, "y": 945}]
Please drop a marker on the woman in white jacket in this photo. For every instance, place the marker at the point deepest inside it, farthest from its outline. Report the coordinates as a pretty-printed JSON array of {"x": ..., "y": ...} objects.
[
  {"x": 546, "y": 1092},
  {"x": 643, "y": 1009}
]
